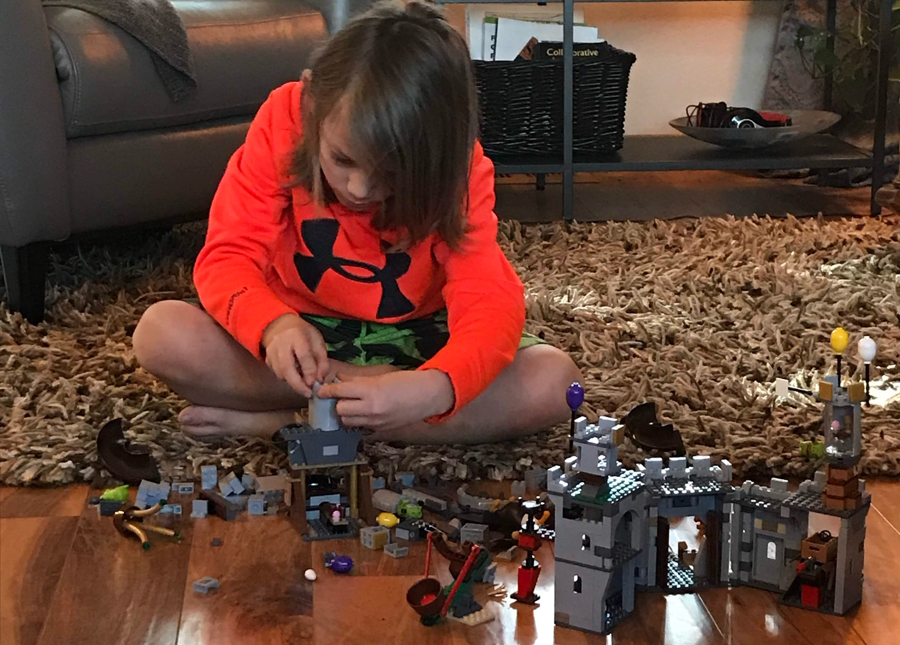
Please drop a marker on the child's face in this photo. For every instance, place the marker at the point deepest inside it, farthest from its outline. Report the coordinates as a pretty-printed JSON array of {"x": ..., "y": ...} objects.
[{"x": 351, "y": 183}]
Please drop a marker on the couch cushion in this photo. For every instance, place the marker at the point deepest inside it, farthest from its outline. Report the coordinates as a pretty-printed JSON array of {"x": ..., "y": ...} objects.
[{"x": 242, "y": 50}]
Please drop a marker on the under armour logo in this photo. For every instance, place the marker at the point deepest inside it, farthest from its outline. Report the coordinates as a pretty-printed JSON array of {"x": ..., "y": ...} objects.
[{"x": 319, "y": 235}]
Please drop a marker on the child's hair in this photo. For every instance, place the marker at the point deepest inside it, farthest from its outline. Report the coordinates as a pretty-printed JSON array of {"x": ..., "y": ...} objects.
[{"x": 404, "y": 77}]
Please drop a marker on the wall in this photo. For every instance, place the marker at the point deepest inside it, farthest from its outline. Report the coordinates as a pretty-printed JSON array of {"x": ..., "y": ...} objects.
[{"x": 686, "y": 52}]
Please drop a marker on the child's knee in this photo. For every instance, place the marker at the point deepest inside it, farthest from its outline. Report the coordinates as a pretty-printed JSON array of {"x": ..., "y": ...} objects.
[
  {"x": 154, "y": 336},
  {"x": 552, "y": 372}
]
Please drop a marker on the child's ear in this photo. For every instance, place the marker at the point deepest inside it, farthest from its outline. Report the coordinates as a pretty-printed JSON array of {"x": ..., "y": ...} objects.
[{"x": 307, "y": 76}]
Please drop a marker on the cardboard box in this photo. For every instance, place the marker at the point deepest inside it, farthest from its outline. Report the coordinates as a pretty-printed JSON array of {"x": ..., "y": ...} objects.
[{"x": 814, "y": 547}]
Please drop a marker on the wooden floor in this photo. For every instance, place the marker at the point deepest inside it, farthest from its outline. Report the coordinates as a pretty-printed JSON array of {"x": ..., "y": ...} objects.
[
  {"x": 639, "y": 196},
  {"x": 66, "y": 577}
]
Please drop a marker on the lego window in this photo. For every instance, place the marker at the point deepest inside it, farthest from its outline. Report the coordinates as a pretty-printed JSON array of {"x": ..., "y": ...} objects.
[
  {"x": 585, "y": 542},
  {"x": 772, "y": 551},
  {"x": 330, "y": 451},
  {"x": 576, "y": 585}
]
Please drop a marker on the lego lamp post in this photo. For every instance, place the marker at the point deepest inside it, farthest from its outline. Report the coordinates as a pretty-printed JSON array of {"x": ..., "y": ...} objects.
[
  {"x": 867, "y": 349},
  {"x": 839, "y": 340},
  {"x": 528, "y": 539},
  {"x": 574, "y": 398}
]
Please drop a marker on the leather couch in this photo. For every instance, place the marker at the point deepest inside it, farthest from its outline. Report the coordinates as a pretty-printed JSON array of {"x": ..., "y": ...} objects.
[{"x": 89, "y": 139}]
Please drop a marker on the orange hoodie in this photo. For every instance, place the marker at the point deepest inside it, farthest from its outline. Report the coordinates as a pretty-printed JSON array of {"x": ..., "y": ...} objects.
[{"x": 270, "y": 251}]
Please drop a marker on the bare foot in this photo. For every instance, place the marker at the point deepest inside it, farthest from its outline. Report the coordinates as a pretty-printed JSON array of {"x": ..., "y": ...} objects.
[{"x": 204, "y": 422}]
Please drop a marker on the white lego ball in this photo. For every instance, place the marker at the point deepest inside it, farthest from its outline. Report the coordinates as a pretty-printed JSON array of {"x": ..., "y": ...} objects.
[
  {"x": 866, "y": 348},
  {"x": 310, "y": 575}
]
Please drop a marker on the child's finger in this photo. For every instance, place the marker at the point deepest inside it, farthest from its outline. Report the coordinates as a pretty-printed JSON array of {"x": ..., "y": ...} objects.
[
  {"x": 320, "y": 354},
  {"x": 308, "y": 367},
  {"x": 344, "y": 388},
  {"x": 352, "y": 408},
  {"x": 293, "y": 378}
]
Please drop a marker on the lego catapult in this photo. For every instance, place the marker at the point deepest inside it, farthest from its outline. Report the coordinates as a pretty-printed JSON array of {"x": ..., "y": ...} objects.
[{"x": 612, "y": 525}]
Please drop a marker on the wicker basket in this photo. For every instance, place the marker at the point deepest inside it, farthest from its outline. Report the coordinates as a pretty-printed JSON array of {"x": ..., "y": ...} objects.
[{"x": 522, "y": 104}]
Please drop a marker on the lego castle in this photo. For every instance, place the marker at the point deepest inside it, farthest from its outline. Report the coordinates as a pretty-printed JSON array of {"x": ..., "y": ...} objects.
[{"x": 612, "y": 525}]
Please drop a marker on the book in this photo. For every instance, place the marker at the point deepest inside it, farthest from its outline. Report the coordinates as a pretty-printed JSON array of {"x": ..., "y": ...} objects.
[
  {"x": 476, "y": 14},
  {"x": 554, "y": 51},
  {"x": 513, "y": 35}
]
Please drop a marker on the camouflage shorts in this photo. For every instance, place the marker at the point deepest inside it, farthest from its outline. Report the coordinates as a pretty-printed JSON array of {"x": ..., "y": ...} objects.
[{"x": 407, "y": 344}]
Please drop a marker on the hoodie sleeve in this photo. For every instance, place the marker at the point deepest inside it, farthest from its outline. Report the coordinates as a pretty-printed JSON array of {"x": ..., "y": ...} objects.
[
  {"x": 484, "y": 296},
  {"x": 246, "y": 222}
]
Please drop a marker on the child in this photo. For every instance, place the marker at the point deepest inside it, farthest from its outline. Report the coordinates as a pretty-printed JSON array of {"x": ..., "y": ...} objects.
[{"x": 353, "y": 236}]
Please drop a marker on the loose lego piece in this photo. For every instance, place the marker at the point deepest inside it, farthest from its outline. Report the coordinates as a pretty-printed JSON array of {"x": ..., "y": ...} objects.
[
  {"x": 209, "y": 476},
  {"x": 174, "y": 509},
  {"x": 407, "y": 479},
  {"x": 474, "y": 533},
  {"x": 149, "y": 493},
  {"x": 108, "y": 507},
  {"x": 228, "y": 508},
  {"x": 408, "y": 531},
  {"x": 310, "y": 575},
  {"x": 118, "y": 494},
  {"x": 184, "y": 488},
  {"x": 249, "y": 483},
  {"x": 518, "y": 488},
  {"x": 387, "y": 520},
  {"x": 396, "y": 551},
  {"x": 199, "y": 508},
  {"x": 508, "y": 555},
  {"x": 205, "y": 585},
  {"x": 338, "y": 563},
  {"x": 378, "y": 483},
  {"x": 256, "y": 505},
  {"x": 431, "y": 502},
  {"x": 374, "y": 537},
  {"x": 230, "y": 485},
  {"x": 535, "y": 479},
  {"x": 216, "y": 541}
]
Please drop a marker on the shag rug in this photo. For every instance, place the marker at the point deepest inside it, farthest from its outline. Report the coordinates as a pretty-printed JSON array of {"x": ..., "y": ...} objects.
[{"x": 700, "y": 316}]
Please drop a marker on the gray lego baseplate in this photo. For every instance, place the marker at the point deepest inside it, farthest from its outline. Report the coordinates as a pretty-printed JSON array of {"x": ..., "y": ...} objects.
[
  {"x": 619, "y": 487},
  {"x": 317, "y": 530},
  {"x": 813, "y": 503},
  {"x": 670, "y": 487},
  {"x": 622, "y": 553},
  {"x": 545, "y": 534},
  {"x": 760, "y": 503},
  {"x": 681, "y": 577}
]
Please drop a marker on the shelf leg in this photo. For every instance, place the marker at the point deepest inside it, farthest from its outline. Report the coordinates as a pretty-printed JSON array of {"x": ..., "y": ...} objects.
[
  {"x": 540, "y": 182},
  {"x": 885, "y": 47},
  {"x": 831, "y": 28},
  {"x": 568, "y": 91}
]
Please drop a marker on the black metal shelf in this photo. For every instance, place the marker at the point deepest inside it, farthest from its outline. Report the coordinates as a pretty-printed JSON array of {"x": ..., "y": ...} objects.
[
  {"x": 678, "y": 152},
  {"x": 667, "y": 153}
]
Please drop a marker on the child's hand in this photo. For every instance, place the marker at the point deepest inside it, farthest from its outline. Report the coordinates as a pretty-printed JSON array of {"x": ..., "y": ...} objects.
[
  {"x": 296, "y": 352},
  {"x": 390, "y": 401}
]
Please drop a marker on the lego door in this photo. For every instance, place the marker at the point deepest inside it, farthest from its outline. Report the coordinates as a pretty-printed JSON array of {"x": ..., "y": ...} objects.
[{"x": 768, "y": 560}]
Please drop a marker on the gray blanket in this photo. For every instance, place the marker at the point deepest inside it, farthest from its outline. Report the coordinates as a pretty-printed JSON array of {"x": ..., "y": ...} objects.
[{"x": 157, "y": 26}]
